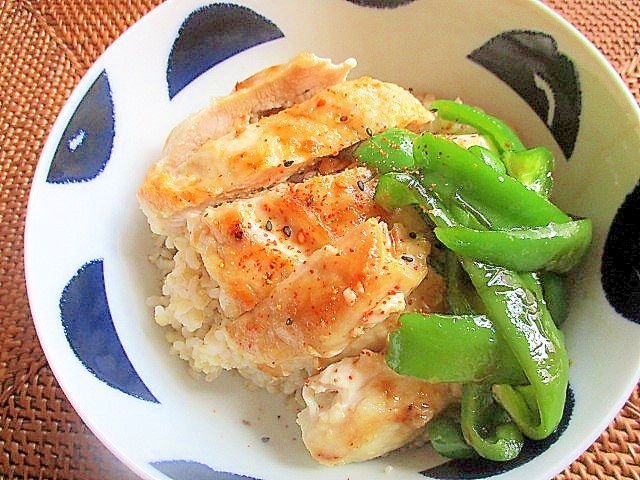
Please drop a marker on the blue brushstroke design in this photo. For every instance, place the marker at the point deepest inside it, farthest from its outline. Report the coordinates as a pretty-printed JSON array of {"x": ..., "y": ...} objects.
[
  {"x": 211, "y": 35},
  {"x": 381, "y": 3},
  {"x": 477, "y": 468},
  {"x": 190, "y": 470},
  {"x": 85, "y": 146},
  {"x": 620, "y": 268},
  {"x": 530, "y": 63},
  {"x": 89, "y": 328}
]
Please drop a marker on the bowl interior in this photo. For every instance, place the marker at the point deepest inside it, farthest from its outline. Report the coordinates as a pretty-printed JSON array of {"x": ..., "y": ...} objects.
[{"x": 577, "y": 107}]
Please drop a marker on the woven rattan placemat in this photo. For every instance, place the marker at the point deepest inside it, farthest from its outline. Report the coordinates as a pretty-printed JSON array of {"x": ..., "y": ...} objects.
[{"x": 45, "y": 48}]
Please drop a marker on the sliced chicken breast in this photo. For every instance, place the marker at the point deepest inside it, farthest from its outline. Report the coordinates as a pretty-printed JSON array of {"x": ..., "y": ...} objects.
[
  {"x": 249, "y": 245},
  {"x": 274, "y": 148},
  {"x": 335, "y": 296},
  {"x": 359, "y": 408},
  {"x": 269, "y": 90}
]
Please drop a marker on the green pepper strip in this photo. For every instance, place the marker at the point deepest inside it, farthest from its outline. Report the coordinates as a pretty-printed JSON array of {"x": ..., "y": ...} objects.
[
  {"x": 493, "y": 437},
  {"x": 489, "y": 157},
  {"x": 504, "y": 138},
  {"x": 443, "y": 348},
  {"x": 461, "y": 294},
  {"x": 446, "y": 437},
  {"x": 516, "y": 308},
  {"x": 501, "y": 202},
  {"x": 532, "y": 167},
  {"x": 555, "y": 296},
  {"x": 554, "y": 247},
  {"x": 396, "y": 190},
  {"x": 391, "y": 150}
]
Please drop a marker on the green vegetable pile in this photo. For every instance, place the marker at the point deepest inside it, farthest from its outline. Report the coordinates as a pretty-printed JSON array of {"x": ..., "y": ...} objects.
[{"x": 507, "y": 248}]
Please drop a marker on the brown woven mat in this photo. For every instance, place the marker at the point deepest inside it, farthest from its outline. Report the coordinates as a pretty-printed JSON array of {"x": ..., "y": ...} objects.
[{"x": 45, "y": 48}]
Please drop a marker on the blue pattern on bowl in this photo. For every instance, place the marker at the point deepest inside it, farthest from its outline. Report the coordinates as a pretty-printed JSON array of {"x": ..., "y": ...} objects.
[
  {"x": 190, "y": 470},
  {"x": 85, "y": 146},
  {"x": 211, "y": 35},
  {"x": 621, "y": 259},
  {"x": 530, "y": 63},
  {"x": 381, "y": 3},
  {"x": 479, "y": 468},
  {"x": 89, "y": 328}
]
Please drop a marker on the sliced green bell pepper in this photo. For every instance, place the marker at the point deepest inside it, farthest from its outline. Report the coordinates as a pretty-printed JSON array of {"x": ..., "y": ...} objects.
[
  {"x": 485, "y": 427},
  {"x": 555, "y": 296},
  {"x": 456, "y": 188},
  {"x": 391, "y": 150},
  {"x": 554, "y": 247},
  {"x": 520, "y": 316},
  {"x": 489, "y": 157},
  {"x": 503, "y": 137},
  {"x": 446, "y": 437},
  {"x": 461, "y": 295},
  {"x": 500, "y": 201},
  {"x": 532, "y": 168},
  {"x": 443, "y": 348}
]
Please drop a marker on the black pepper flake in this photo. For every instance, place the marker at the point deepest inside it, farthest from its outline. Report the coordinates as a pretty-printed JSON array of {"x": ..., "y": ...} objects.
[
  {"x": 369, "y": 131},
  {"x": 360, "y": 184},
  {"x": 265, "y": 439},
  {"x": 287, "y": 230},
  {"x": 413, "y": 235},
  {"x": 269, "y": 226},
  {"x": 288, "y": 163},
  {"x": 289, "y": 321},
  {"x": 407, "y": 258}
]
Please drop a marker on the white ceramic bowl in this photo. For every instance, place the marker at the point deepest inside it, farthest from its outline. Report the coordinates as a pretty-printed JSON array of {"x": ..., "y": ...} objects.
[{"x": 86, "y": 240}]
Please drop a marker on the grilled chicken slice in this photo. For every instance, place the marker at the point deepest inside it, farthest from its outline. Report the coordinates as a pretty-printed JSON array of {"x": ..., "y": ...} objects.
[
  {"x": 250, "y": 245},
  {"x": 358, "y": 409},
  {"x": 274, "y": 148},
  {"x": 335, "y": 296},
  {"x": 269, "y": 90}
]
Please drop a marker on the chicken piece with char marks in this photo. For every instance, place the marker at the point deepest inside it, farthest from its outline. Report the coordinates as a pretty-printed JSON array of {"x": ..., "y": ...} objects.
[
  {"x": 335, "y": 296},
  {"x": 249, "y": 245}
]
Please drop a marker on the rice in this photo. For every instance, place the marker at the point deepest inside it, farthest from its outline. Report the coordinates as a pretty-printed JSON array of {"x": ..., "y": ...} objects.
[{"x": 189, "y": 310}]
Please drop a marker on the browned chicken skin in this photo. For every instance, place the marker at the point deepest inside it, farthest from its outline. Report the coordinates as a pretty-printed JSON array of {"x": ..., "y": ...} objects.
[
  {"x": 329, "y": 300},
  {"x": 250, "y": 245}
]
